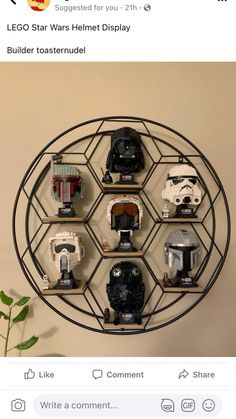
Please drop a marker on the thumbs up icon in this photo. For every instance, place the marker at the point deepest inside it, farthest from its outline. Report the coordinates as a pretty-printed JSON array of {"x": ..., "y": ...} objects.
[{"x": 29, "y": 375}]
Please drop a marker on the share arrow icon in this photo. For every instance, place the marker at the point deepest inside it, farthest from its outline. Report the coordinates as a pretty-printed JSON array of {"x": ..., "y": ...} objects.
[{"x": 183, "y": 374}]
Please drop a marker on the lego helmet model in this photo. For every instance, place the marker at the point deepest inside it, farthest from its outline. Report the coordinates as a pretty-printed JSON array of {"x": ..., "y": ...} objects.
[
  {"x": 182, "y": 186},
  {"x": 125, "y": 155},
  {"x": 66, "y": 251},
  {"x": 66, "y": 185},
  {"x": 182, "y": 252},
  {"x": 124, "y": 214},
  {"x": 125, "y": 292}
]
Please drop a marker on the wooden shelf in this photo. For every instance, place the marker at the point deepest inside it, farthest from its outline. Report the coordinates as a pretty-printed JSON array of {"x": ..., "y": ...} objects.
[
  {"x": 180, "y": 220},
  {"x": 55, "y": 219},
  {"x": 122, "y": 254},
  {"x": 123, "y": 326},
  {"x": 54, "y": 291},
  {"x": 190, "y": 290},
  {"x": 124, "y": 187}
]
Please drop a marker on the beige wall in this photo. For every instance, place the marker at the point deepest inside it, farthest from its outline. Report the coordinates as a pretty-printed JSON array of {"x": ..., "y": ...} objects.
[{"x": 38, "y": 101}]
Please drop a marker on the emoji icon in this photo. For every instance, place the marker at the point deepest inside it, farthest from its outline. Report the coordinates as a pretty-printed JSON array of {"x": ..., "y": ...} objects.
[{"x": 208, "y": 405}]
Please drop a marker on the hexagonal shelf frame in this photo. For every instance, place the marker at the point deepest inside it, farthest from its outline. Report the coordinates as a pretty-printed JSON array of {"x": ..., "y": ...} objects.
[{"x": 163, "y": 146}]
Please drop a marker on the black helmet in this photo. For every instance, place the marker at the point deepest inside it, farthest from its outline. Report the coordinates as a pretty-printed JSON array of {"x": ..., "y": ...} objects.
[{"x": 125, "y": 155}]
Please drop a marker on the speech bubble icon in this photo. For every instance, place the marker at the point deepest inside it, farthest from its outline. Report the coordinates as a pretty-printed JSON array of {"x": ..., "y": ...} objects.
[
  {"x": 167, "y": 405},
  {"x": 97, "y": 374}
]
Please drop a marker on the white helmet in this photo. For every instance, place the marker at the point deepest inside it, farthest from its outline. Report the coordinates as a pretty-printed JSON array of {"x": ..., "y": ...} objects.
[
  {"x": 182, "y": 186},
  {"x": 66, "y": 251}
]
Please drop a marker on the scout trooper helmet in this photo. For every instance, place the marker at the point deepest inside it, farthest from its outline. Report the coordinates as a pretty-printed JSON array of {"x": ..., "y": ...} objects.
[
  {"x": 182, "y": 186},
  {"x": 66, "y": 251}
]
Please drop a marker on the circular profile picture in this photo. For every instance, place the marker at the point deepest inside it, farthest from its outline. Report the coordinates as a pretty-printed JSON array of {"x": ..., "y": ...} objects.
[{"x": 38, "y": 5}]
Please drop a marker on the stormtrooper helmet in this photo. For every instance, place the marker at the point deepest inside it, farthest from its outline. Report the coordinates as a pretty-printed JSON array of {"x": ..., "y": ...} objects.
[{"x": 182, "y": 186}]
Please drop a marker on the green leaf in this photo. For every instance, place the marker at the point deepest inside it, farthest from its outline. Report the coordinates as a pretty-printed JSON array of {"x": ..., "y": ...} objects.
[
  {"x": 22, "y": 301},
  {"x": 27, "y": 344},
  {"x": 5, "y": 299},
  {"x": 22, "y": 315},
  {"x": 3, "y": 315}
]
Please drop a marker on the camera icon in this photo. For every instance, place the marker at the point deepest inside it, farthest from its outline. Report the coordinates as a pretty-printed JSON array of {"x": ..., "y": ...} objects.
[{"x": 18, "y": 405}]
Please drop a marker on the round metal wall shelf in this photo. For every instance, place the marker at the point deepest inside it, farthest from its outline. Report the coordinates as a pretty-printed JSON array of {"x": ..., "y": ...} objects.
[{"x": 86, "y": 145}]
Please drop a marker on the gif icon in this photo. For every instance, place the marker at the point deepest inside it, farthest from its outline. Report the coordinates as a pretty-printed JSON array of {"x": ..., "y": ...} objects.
[{"x": 188, "y": 405}]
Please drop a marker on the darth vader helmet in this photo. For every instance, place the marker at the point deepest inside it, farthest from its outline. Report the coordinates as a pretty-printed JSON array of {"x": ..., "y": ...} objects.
[{"x": 125, "y": 155}]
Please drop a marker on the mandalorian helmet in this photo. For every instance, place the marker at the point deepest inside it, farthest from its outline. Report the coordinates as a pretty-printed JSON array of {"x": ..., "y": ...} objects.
[
  {"x": 66, "y": 251},
  {"x": 182, "y": 252},
  {"x": 126, "y": 292},
  {"x": 182, "y": 186}
]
